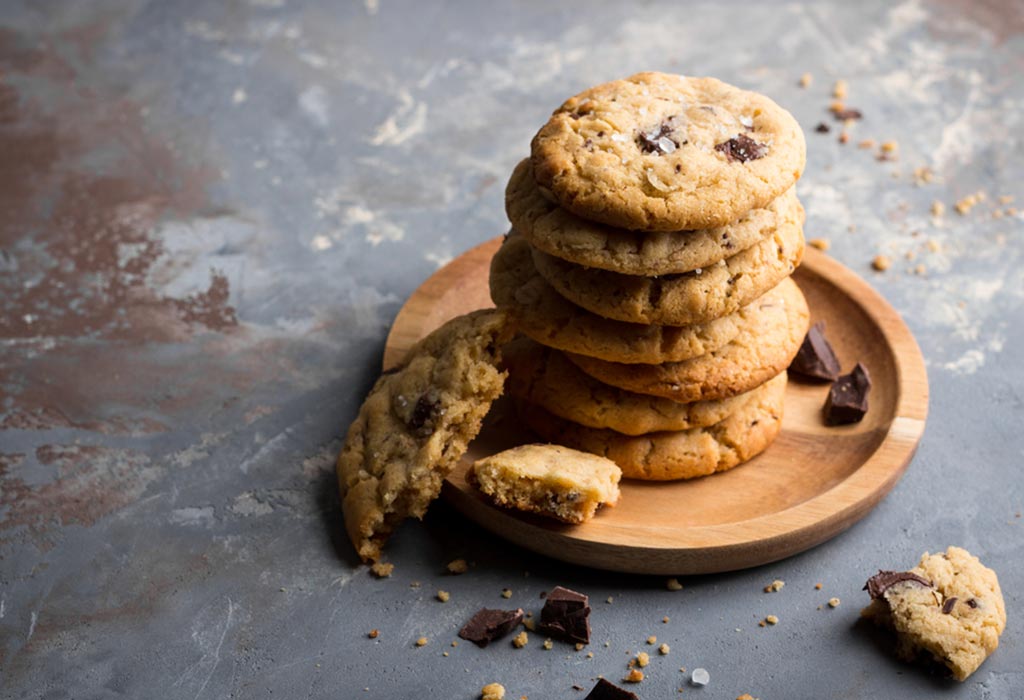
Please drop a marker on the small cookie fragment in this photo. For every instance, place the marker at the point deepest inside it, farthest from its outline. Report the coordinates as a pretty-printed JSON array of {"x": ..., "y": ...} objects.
[
  {"x": 673, "y": 584},
  {"x": 422, "y": 642},
  {"x": 847, "y": 400},
  {"x": 949, "y": 606},
  {"x": 833, "y": 602},
  {"x": 643, "y": 659},
  {"x": 488, "y": 625},
  {"x": 566, "y": 616},
  {"x": 551, "y": 480},
  {"x": 457, "y": 566},
  {"x": 382, "y": 569},
  {"x": 775, "y": 586},
  {"x": 492, "y": 691},
  {"x": 664, "y": 649},
  {"x": 521, "y": 640},
  {"x": 881, "y": 263},
  {"x": 609, "y": 691},
  {"x": 443, "y": 596},
  {"x": 816, "y": 359},
  {"x": 635, "y": 675}
]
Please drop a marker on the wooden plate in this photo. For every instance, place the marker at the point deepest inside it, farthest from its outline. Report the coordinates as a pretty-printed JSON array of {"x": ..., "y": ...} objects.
[{"x": 810, "y": 485}]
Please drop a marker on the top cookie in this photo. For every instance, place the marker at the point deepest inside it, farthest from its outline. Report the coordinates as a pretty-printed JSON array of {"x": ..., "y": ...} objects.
[
  {"x": 660, "y": 152},
  {"x": 415, "y": 425}
]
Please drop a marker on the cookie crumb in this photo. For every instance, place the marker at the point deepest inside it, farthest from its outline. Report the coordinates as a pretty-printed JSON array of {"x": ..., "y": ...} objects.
[
  {"x": 520, "y": 640},
  {"x": 819, "y": 243},
  {"x": 548, "y": 644},
  {"x": 642, "y": 659},
  {"x": 772, "y": 620},
  {"x": 455, "y": 643},
  {"x": 382, "y": 569},
  {"x": 664, "y": 649},
  {"x": 673, "y": 584},
  {"x": 457, "y": 566},
  {"x": 700, "y": 676},
  {"x": 443, "y": 596},
  {"x": 664, "y": 620},
  {"x": 414, "y": 584},
  {"x": 745, "y": 696},
  {"x": 866, "y": 143},
  {"x": 923, "y": 175},
  {"x": 920, "y": 269},
  {"x": 373, "y": 634},
  {"x": 938, "y": 209},
  {"x": 635, "y": 675},
  {"x": 817, "y": 586},
  {"x": 610, "y": 600},
  {"x": 844, "y": 136},
  {"x": 889, "y": 147},
  {"x": 444, "y": 653},
  {"x": 422, "y": 642},
  {"x": 652, "y": 640},
  {"x": 529, "y": 624},
  {"x": 881, "y": 263},
  {"x": 833, "y": 602},
  {"x": 775, "y": 586},
  {"x": 492, "y": 691},
  {"x": 590, "y": 654},
  {"x": 580, "y": 646},
  {"x": 839, "y": 89},
  {"x": 964, "y": 205},
  {"x": 762, "y": 623},
  {"x": 805, "y": 80},
  {"x": 506, "y": 592}
]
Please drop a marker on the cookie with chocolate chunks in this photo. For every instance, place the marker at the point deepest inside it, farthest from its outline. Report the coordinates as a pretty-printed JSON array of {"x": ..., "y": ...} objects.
[{"x": 661, "y": 152}]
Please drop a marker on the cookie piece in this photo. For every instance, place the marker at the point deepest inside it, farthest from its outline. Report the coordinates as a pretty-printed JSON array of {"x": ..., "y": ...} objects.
[
  {"x": 551, "y": 480},
  {"x": 949, "y": 606},
  {"x": 558, "y": 232},
  {"x": 765, "y": 345},
  {"x": 550, "y": 319},
  {"x": 677, "y": 300},
  {"x": 660, "y": 152},
  {"x": 685, "y": 454},
  {"x": 415, "y": 424},
  {"x": 544, "y": 377}
]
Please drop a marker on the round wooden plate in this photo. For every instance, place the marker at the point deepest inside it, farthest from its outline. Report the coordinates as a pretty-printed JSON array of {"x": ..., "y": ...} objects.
[{"x": 810, "y": 485}]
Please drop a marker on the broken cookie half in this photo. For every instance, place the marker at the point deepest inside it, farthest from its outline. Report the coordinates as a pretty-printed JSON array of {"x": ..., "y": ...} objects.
[
  {"x": 949, "y": 606},
  {"x": 416, "y": 424}
]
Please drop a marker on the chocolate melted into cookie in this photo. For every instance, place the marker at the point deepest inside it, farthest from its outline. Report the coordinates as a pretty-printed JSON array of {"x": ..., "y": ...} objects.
[
  {"x": 742, "y": 148},
  {"x": 948, "y": 605},
  {"x": 424, "y": 415},
  {"x": 657, "y": 140},
  {"x": 878, "y": 584}
]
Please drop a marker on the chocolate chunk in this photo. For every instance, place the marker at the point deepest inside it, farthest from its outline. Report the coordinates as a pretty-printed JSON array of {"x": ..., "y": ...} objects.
[
  {"x": 607, "y": 691},
  {"x": 847, "y": 400},
  {"x": 823, "y": 128},
  {"x": 425, "y": 414},
  {"x": 845, "y": 114},
  {"x": 972, "y": 603},
  {"x": 656, "y": 140},
  {"x": 742, "y": 148},
  {"x": 488, "y": 625},
  {"x": 883, "y": 580},
  {"x": 816, "y": 359},
  {"x": 948, "y": 605},
  {"x": 566, "y": 616}
]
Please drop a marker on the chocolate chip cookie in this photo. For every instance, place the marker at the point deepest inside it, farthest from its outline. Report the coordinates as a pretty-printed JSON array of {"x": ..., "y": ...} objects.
[
  {"x": 415, "y": 424},
  {"x": 660, "y": 152},
  {"x": 561, "y": 233},
  {"x": 676, "y": 300},
  {"x": 949, "y": 607},
  {"x": 550, "y": 319},
  {"x": 685, "y": 454},
  {"x": 774, "y": 327}
]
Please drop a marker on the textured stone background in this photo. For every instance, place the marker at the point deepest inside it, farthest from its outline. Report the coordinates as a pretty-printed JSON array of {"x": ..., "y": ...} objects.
[{"x": 211, "y": 212}]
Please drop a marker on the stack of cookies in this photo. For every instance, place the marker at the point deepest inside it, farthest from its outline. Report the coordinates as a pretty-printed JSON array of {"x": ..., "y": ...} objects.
[{"x": 654, "y": 230}]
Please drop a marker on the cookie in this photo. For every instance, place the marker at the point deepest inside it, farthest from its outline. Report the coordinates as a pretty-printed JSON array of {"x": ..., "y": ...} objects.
[
  {"x": 415, "y": 424},
  {"x": 684, "y": 454},
  {"x": 660, "y": 152},
  {"x": 677, "y": 300},
  {"x": 773, "y": 328},
  {"x": 558, "y": 232},
  {"x": 544, "y": 377},
  {"x": 949, "y": 606},
  {"x": 551, "y": 480},
  {"x": 550, "y": 319}
]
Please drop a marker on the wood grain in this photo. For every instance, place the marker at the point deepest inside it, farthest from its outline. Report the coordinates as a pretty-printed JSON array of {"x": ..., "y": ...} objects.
[{"x": 813, "y": 483}]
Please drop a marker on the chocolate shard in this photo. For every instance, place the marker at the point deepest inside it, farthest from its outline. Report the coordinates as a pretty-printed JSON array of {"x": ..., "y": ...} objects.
[
  {"x": 608, "y": 691},
  {"x": 847, "y": 114},
  {"x": 823, "y": 128},
  {"x": 847, "y": 400},
  {"x": 742, "y": 148},
  {"x": 488, "y": 625},
  {"x": 566, "y": 616},
  {"x": 658, "y": 139},
  {"x": 878, "y": 584},
  {"x": 948, "y": 604},
  {"x": 816, "y": 358}
]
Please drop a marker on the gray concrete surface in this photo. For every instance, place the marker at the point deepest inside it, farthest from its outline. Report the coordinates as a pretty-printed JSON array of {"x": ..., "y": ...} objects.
[{"x": 211, "y": 212}]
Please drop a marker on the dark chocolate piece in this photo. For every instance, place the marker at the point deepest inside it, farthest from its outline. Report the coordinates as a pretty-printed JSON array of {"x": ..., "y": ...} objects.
[
  {"x": 488, "y": 625},
  {"x": 847, "y": 400},
  {"x": 823, "y": 128},
  {"x": 608, "y": 691},
  {"x": 650, "y": 141},
  {"x": 972, "y": 603},
  {"x": 566, "y": 616},
  {"x": 883, "y": 580},
  {"x": 816, "y": 359},
  {"x": 425, "y": 413},
  {"x": 845, "y": 114},
  {"x": 742, "y": 148},
  {"x": 948, "y": 605}
]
